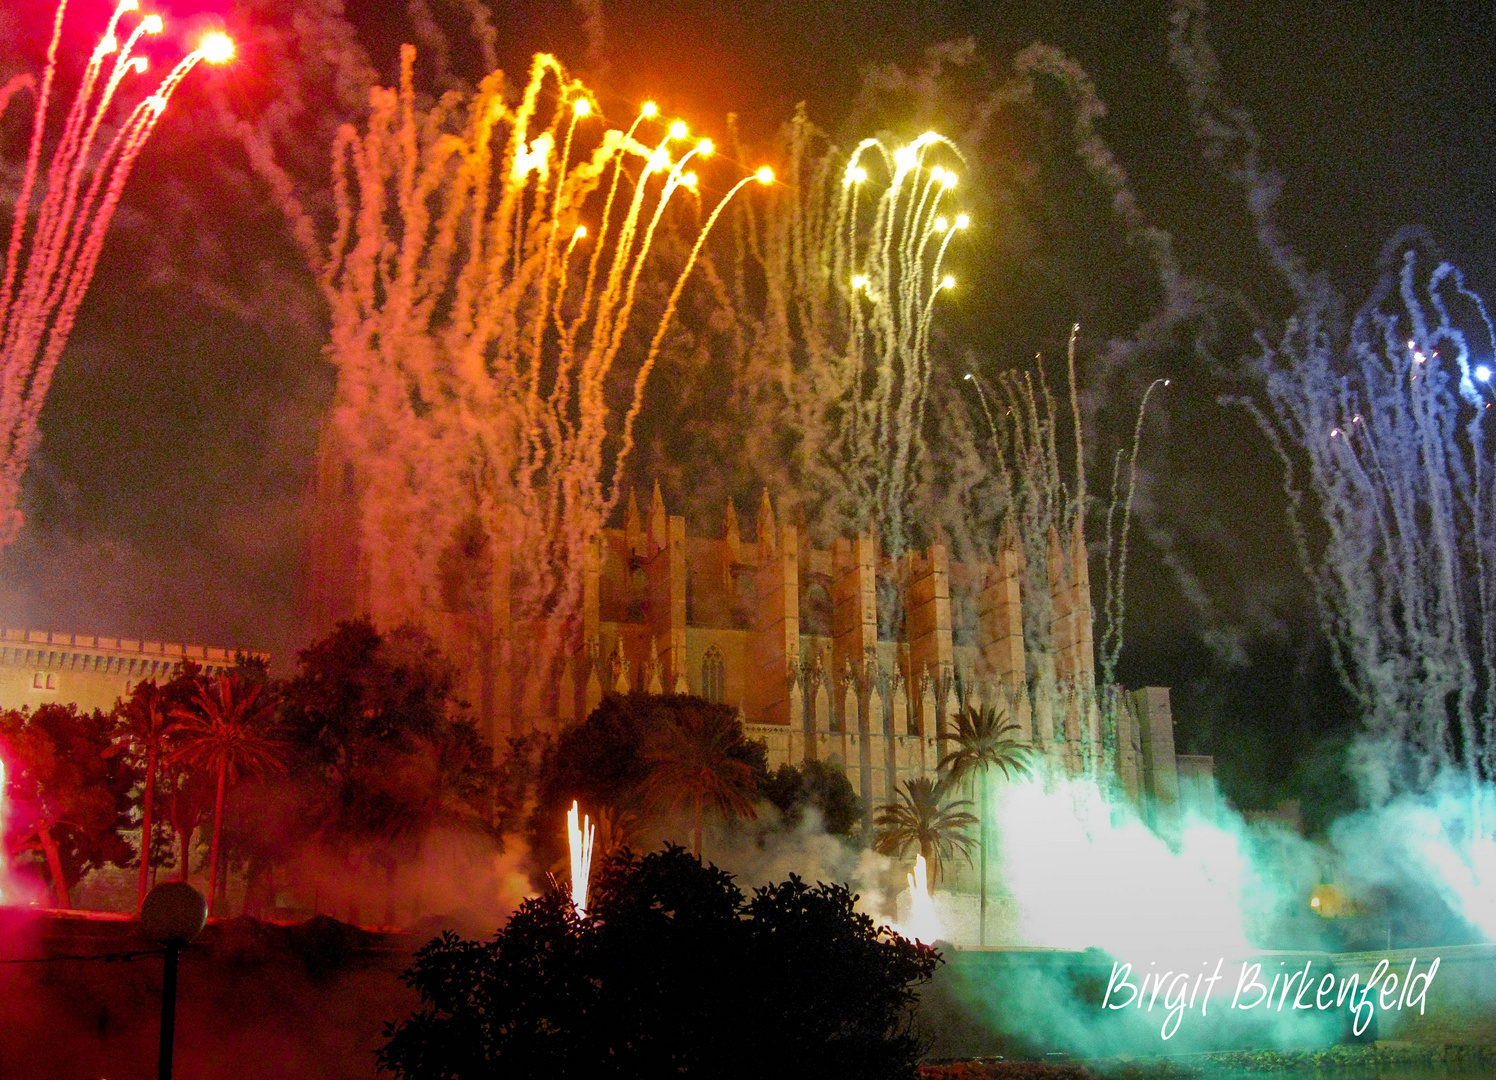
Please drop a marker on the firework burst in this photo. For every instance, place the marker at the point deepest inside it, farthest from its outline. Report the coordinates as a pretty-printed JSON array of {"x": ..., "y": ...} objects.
[{"x": 62, "y": 215}]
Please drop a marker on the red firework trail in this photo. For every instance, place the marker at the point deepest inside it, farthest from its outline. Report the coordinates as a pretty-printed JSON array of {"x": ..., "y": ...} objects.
[{"x": 55, "y": 244}]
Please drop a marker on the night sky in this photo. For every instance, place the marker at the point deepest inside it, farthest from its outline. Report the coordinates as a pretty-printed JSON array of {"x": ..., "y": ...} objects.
[{"x": 180, "y": 428}]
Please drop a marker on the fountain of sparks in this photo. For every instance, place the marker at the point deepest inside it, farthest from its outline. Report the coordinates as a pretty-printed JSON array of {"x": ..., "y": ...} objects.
[
  {"x": 483, "y": 276},
  {"x": 54, "y": 247},
  {"x": 579, "y": 837},
  {"x": 923, "y": 924}
]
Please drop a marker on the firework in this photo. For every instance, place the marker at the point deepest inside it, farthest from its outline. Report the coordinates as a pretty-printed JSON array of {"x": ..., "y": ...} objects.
[
  {"x": 55, "y": 241},
  {"x": 1393, "y": 422},
  {"x": 580, "y": 833},
  {"x": 484, "y": 274},
  {"x": 855, "y": 260},
  {"x": 924, "y": 922}
]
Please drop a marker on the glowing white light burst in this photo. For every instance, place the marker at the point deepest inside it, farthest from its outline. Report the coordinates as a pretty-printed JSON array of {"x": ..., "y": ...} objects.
[
  {"x": 579, "y": 837},
  {"x": 216, "y": 48},
  {"x": 1065, "y": 863},
  {"x": 55, "y": 244},
  {"x": 923, "y": 923}
]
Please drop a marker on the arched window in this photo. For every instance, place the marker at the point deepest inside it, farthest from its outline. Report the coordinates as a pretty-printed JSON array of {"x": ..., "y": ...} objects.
[
  {"x": 713, "y": 675},
  {"x": 815, "y": 615}
]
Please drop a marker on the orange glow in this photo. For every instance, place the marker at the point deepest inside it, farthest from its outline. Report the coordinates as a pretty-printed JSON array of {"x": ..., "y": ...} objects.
[
  {"x": 706, "y": 147},
  {"x": 678, "y": 130},
  {"x": 217, "y": 47},
  {"x": 649, "y": 109},
  {"x": 581, "y": 107},
  {"x": 765, "y": 175}
]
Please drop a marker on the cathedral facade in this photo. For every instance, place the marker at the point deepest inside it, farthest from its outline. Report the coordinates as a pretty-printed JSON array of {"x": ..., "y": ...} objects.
[{"x": 839, "y": 653}]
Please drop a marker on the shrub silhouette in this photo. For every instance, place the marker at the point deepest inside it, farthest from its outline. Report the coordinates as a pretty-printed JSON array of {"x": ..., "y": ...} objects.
[{"x": 674, "y": 972}]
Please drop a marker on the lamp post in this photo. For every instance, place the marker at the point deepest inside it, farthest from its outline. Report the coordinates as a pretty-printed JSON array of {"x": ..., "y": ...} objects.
[{"x": 173, "y": 914}]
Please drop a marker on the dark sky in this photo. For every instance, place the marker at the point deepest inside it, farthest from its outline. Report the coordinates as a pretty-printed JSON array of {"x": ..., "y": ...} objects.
[{"x": 180, "y": 428}]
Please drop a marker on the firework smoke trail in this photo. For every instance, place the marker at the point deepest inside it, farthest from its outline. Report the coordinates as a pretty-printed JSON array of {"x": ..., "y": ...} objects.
[
  {"x": 48, "y": 268},
  {"x": 474, "y": 353},
  {"x": 1393, "y": 422},
  {"x": 1113, "y": 606},
  {"x": 1388, "y": 418}
]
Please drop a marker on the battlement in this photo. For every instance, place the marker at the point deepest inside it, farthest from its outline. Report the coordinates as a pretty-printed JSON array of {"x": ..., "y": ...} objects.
[{"x": 38, "y": 666}]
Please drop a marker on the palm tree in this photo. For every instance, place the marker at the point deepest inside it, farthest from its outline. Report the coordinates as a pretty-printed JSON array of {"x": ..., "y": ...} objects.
[
  {"x": 144, "y": 720},
  {"x": 983, "y": 740},
  {"x": 922, "y": 820},
  {"x": 225, "y": 732},
  {"x": 696, "y": 761}
]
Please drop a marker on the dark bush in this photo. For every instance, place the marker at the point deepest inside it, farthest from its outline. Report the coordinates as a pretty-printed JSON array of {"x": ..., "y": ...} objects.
[{"x": 673, "y": 973}]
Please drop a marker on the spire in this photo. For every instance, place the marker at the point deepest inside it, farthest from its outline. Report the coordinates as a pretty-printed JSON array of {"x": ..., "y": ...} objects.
[
  {"x": 731, "y": 534},
  {"x": 632, "y": 532},
  {"x": 653, "y": 683},
  {"x": 659, "y": 534},
  {"x": 1080, "y": 570},
  {"x": 768, "y": 539}
]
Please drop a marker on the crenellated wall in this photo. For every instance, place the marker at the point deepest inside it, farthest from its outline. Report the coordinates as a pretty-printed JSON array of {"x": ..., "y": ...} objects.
[{"x": 39, "y": 668}]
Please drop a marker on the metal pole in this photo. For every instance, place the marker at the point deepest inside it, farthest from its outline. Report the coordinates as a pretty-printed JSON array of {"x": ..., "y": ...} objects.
[{"x": 168, "y": 1011}]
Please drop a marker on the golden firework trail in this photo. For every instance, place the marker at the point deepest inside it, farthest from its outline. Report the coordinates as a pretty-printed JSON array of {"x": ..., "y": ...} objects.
[
  {"x": 483, "y": 275},
  {"x": 55, "y": 244},
  {"x": 854, "y": 258}
]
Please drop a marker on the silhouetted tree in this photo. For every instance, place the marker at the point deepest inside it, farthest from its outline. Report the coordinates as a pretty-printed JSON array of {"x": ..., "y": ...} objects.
[
  {"x": 673, "y": 973},
  {"x": 697, "y": 764},
  {"x": 67, "y": 792},
  {"x": 381, "y": 747},
  {"x": 142, "y": 723},
  {"x": 604, "y": 762},
  {"x": 922, "y": 820},
  {"x": 982, "y": 740},
  {"x": 226, "y": 730},
  {"x": 817, "y": 784}
]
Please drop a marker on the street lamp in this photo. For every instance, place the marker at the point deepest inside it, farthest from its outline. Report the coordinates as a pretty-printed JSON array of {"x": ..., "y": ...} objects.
[{"x": 173, "y": 914}]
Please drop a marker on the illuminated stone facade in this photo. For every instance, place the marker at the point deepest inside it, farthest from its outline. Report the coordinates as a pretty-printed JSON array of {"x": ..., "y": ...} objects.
[
  {"x": 38, "y": 667},
  {"x": 839, "y": 653}
]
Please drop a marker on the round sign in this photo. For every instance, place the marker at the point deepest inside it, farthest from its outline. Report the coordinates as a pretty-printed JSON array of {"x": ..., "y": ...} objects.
[{"x": 173, "y": 913}]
